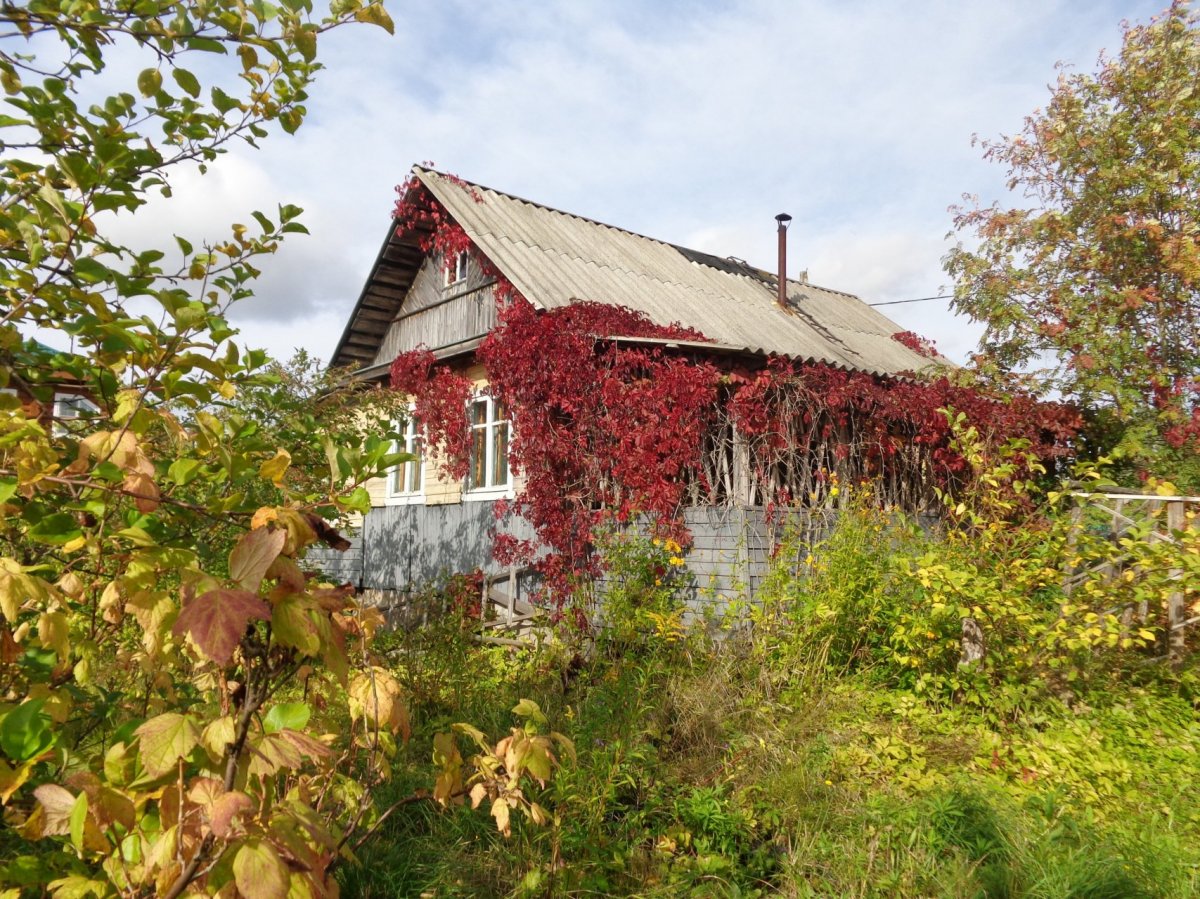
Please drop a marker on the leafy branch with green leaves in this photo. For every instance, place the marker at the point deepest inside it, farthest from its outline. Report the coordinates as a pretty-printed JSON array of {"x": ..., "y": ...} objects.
[{"x": 184, "y": 709}]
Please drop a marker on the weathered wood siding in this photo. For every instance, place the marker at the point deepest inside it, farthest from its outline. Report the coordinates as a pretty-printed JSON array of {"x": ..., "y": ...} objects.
[
  {"x": 405, "y": 547},
  {"x": 732, "y": 551},
  {"x": 434, "y": 316},
  {"x": 339, "y": 567}
]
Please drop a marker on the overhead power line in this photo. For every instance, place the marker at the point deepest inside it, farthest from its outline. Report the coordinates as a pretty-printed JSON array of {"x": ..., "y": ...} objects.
[{"x": 944, "y": 296}]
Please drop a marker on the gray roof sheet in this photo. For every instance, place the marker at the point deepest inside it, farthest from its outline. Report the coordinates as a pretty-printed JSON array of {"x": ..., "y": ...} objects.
[{"x": 554, "y": 258}]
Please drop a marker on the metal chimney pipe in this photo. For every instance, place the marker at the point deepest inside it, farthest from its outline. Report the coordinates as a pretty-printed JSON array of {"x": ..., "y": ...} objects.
[{"x": 783, "y": 218}]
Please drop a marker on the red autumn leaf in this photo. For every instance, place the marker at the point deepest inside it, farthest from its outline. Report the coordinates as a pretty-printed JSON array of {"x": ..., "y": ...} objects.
[
  {"x": 143, "y": 490},
  {"x": 253, "y": 555},
  {"x": 225, "y": 810},
  {"x": 216, "y": 621}
]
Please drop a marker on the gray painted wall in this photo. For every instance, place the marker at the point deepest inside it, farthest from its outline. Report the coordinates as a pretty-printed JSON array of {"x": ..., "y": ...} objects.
[{"x": 404, "y": 547}]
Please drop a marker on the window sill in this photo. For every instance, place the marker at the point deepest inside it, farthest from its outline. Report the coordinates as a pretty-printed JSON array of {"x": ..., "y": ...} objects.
[
  {"x": 488, "y": 493},
  {"x": 404, "y": 499}
]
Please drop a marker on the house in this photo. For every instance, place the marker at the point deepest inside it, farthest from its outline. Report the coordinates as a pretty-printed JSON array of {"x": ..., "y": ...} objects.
[
  {"x": 42, "y": 385},
  {"x": 454, "y": 245}
]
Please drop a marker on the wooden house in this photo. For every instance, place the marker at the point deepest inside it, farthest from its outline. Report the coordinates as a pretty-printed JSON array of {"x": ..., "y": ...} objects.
[
  {"x": 420, "y": 524},
  {"x": 41, "y": 384}
]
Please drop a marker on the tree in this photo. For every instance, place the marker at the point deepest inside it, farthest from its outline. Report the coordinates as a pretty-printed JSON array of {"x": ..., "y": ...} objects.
[
  {"x": 183, "y": 709},
  {"x": 1095, "y": 283}
]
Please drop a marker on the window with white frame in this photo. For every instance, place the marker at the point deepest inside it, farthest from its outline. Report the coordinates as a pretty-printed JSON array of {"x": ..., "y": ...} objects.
[
  {"x": 490, "y": 430},
  {"x": 71, "y": 411},
  {"x": 456, "y": 271},
  {"x": 406, "y": 480}
]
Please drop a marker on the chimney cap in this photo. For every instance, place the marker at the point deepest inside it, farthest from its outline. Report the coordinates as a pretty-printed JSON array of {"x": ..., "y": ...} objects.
[{"x": 783, "y": 218}]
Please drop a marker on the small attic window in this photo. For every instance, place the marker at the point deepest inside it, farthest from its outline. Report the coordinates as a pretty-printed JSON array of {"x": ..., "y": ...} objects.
[{"x": 457, "y": 272}]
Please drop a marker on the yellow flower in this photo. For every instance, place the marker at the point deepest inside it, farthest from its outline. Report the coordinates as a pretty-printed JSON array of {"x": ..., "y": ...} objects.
[
  {"x": 675, "y": 560},
  {"x": 673, "y": 547}
]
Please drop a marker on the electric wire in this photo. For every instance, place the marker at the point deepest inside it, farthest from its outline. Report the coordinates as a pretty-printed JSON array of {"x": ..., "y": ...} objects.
[{"x": 944, "y": 296}]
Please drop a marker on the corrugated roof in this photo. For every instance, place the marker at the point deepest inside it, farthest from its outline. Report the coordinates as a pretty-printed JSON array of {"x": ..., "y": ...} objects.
[{"x": 554, "y": 258}]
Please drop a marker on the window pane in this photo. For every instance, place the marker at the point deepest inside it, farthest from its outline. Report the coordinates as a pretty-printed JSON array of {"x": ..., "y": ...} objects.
[
  {"x": 479, "y": 412},
  {"x": 415, "y": 468},
  {"x": 70, "y": 405},
  {"x": 500, "y": 457},
  {"x": 406, "y": 477},
  {"x": 478, "y": 471}
]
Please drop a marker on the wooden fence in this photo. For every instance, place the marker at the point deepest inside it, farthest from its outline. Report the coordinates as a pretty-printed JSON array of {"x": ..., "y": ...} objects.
[
  {"x": 504, "y": 616},
  {"x": 1151, "y": 518}
]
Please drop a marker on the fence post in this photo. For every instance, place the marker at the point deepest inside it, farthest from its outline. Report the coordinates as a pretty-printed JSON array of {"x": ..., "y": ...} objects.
[
  {"x": 1072, "y": 542},
  {"x": 1176, "y": 607}
]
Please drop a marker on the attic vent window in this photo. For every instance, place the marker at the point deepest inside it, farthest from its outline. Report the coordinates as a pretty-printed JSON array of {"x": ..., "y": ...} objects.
[
  {"x": 456, "y": 272},
  {"x": 72, "y": 412}
]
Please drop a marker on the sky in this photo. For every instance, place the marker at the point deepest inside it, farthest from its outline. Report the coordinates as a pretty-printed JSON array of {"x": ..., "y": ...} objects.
[{"x": 690, "y": 122}]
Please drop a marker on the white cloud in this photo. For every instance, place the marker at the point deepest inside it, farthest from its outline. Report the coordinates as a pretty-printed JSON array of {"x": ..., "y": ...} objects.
[{"x": 695, "y": 123}]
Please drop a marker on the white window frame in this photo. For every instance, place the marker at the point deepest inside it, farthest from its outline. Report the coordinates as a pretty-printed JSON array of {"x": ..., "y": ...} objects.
[
  {"x": 456, "y": 274},
  {"x": 67, "y": 408},
  {"x": 411, "y": 442},
  {"x": 490, "y": 426}
]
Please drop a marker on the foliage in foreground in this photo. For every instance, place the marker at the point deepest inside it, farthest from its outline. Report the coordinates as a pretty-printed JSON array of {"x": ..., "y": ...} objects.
[{"x": 183, "y": 709}]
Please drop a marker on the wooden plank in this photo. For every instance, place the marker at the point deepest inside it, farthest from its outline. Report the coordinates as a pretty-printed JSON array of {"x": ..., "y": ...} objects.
[
  {"x": 1176, "y": 605},
  {"x": 503, "y": 641},
  {"x": 518, "y": 623}
]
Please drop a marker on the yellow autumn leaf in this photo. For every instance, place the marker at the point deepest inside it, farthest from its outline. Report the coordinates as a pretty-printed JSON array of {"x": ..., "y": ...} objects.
[
  {"x": 53, "y": 634},
  {"x": 275, "y": 467},
  {"x": 500, "y": 813},
  {"x": 377, "y": 697}
]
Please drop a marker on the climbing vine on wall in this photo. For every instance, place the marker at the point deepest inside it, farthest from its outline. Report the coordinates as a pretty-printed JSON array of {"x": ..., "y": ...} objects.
[{"x": 606, "y": 431}]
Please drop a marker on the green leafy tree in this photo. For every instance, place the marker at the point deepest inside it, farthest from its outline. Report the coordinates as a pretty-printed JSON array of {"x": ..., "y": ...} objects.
[
  {"x": 1095, "y": 282},
  {"x": 183, "y": 708}
]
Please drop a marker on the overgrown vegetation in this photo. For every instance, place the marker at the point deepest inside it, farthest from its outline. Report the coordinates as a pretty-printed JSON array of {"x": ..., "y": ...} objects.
[
  {"x": 994, "y": 708},
  {"x": 840, "y": 747}
]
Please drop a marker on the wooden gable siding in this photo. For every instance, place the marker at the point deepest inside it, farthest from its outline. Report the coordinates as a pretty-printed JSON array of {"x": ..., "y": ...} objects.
[{"x": 434, "y": 316}]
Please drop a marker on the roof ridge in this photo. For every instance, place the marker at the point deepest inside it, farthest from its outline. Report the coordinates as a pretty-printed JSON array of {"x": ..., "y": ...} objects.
[
  {"x": 451, "y": 178},
  {"x": 750, "y": 270}
]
